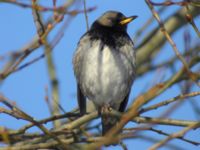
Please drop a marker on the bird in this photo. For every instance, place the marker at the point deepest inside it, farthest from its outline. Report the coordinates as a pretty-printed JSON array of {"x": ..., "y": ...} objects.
[{"x": 104, "y": 66}]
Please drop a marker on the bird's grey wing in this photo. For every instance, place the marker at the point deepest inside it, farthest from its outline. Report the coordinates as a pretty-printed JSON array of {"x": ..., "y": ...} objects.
[
  {"x": 129, "y": 52},
  {"x": 124, "y": 103},
  {"x": 81, "y": 101},
  {"x": 78, "y": 60}
]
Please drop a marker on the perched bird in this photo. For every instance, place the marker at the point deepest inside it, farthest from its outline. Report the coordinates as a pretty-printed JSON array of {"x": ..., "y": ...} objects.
[{"x": 104, "y": 66}]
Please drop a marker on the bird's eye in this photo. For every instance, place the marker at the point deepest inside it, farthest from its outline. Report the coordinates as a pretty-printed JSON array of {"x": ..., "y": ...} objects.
[
  {"x": 113, "y": 20},
  {"x": 110, "y": 19}
]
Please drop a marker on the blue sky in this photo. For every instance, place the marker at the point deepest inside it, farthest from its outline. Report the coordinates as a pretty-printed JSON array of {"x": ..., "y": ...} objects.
[{"x": 27, "y": 87}]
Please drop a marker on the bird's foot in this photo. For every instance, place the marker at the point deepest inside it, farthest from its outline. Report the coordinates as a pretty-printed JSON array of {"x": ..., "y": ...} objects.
[{"x": 106, "y": 109}]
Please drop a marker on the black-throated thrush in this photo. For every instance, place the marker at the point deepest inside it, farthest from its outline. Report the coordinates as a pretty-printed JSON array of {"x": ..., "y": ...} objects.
[{"x": 104, "y": 66}]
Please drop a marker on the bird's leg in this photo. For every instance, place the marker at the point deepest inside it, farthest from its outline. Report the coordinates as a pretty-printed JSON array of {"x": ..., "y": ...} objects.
[
  {"x": 106, "y": 109},
  {"x": 107, "y": 120}
]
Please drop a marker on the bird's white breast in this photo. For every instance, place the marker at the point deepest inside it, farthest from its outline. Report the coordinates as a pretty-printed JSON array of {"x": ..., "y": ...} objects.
[{"x": 107, "y": 74}]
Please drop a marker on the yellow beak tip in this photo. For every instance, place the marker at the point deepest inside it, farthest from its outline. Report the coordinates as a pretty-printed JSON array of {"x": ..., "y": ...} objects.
[{"x": 127, "y": 20}]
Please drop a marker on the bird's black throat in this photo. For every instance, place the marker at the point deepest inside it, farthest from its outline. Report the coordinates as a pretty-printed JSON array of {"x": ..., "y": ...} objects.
[{"x": 113, "y": 37}]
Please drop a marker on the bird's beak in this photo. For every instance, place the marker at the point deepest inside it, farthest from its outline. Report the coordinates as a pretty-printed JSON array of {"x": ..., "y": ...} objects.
[{"x": 127, "y": 20}]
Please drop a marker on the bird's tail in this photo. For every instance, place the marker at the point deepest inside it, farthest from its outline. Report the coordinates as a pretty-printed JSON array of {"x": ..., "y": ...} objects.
[{"x": 108, "y": 122}]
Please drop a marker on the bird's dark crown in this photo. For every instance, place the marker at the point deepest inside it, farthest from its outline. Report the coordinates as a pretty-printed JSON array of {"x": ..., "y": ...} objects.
[{"x": 110, "y": 20}]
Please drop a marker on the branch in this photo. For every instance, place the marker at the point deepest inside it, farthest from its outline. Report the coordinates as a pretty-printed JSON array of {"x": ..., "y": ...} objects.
[
  {"x": 61, "y": 9},
  {"x": 25, "y": 116},
  {"x": 155, "y": 40},
  {"x": 175, "y": 135},
  {"x": 166, "y": 102},
  {"x": 168, "y": 37}
]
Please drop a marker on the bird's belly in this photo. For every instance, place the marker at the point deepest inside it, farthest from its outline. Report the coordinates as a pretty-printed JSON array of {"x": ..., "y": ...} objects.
[{"x": 107, "y": 76}]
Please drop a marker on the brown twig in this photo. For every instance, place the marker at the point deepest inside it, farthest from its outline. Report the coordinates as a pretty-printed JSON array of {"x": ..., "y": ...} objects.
[
  {"x": 191, "y": 20},
  {"x": 25, "y": 116},
  {"x": 175, "y": 135},
  {"x": 166, "y": 102},
  {"x": 169, "y": 3},
  {"x": 161, "y": 133},
  {"x": 86, "y": 16},
  {"x": 172, "y": 43},
  {"x": 60, "y": 9}
]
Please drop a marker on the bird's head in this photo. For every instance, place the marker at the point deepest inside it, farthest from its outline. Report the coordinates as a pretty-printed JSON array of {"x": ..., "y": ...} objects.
[{"x": 115, "y": 20}]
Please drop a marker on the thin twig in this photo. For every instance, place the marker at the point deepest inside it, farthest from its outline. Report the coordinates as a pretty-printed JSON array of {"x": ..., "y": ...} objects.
[
  {"x": 60, "y": 9},
  {"x": 27, "y": 117},
  {"x": 85, "y": 13},
  {"x": 174, "y": 135},
  {"x": 166, "y": 102},
  {"x": 172, "y": 43}
]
